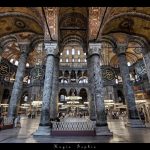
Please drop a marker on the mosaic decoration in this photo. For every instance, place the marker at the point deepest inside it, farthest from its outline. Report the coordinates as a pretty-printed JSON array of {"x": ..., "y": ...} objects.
[
  {"x": 4, "y": 68},
  {"x": 20, "y": 24},
  {"x": 51, "y": 15},
  {"x": 140, "y": 68}
]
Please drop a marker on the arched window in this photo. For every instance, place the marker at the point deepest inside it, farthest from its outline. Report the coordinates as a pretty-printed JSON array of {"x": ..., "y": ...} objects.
[
  {"x": 12, "y": 60},
  {"x": 73, "y": 51},
  {"x": 78, "y": 52},
  {"x": 16, "y": 63},
  {"x": 67, "y": 52},
  {"x": 67, "y": 60},
  {"x": 27, "y": 64}
]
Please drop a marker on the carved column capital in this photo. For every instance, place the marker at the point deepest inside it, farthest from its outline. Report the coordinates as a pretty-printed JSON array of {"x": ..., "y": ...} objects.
[
  {"x": 121, "y": 48},
  {"x": 24, "y": 47},
  {"x": 51, "y": 48},
  {"x": 94, "y": 48}
]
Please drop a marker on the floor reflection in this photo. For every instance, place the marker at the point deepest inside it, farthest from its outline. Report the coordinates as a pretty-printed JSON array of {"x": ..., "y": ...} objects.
[{"x": 121, "y": 134}]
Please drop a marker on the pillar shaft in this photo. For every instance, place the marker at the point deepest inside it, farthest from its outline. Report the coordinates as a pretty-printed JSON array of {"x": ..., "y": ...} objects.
[
  {"x": 92, "y": 112},
  {"x": 18, "y": 84},
  {"x": 54, "y": 97},
  {"x": 47, "y": 91},
  {"x": 127, "y": 86},
  {"x": 97, "y": 83},
  {"x": 1, "y": 51},
  {"x": 146, "y": 60}
]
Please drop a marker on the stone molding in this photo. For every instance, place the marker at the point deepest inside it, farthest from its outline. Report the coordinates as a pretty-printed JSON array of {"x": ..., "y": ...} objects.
[
  {"x": 24, "y": 47},
  {"x": 36, "y": 40},
  {"x": 94, "y": 48},
  {"x": 4, "y": 41},
  {"x": 51, "y": 48},
  {"x": 121, "y": 48}
]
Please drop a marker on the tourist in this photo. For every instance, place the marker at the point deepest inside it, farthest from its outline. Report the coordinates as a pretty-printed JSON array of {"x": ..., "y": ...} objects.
[
  {"x": 1, "y": 122},
  {"x": 142, "y": 116},
  {"x": 17, "y": 122}
]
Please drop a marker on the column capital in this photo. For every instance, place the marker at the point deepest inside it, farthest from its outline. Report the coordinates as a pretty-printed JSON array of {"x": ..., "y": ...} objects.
[
  {"x": 121, "y": 48},
  {"x": 94, "y": 48},
  {"x": 51, "y": 48},
  {"x": 24, "y": 47}
]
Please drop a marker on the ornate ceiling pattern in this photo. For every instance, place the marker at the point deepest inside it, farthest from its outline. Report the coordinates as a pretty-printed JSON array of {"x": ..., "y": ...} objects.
[
  {"x": 73, "y": 26},
  {"x": 131, "y": 20},
  {"x": 76, "y": 26},
  {"x": 16, "y": 19},
  {"x": 95, "y": 19},
  {"x": 52, "y": 20}
]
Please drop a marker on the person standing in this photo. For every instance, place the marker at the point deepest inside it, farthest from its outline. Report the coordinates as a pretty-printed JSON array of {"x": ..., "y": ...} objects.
[
  {"x": 17, "y": 122},
  {"x": 1, "y": 122},
  {"x": 142, "y": 116}
]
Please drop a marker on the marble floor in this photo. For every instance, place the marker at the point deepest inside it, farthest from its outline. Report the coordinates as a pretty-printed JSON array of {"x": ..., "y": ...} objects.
[{"x": 121, "y": 134}]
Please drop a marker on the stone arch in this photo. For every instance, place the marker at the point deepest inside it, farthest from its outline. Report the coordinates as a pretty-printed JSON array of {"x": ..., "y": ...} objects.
[
  {"x": 142, "y": 42},
  {"x": 110, "y": 40},
  {"x": 64, "y": 93},
  {"x": 84, "y": 95},
  {"x": 24, "y": 97},
  {"x": 72, "y": 92},
  {"x": 124, "y": 17},
  {"x": 6, "y": 96}
]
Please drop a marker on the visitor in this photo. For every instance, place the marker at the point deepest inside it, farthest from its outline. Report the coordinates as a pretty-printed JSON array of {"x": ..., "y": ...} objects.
[
  {"x": 1, "y": 122},
  {"x": 17, "y": 122},
  {"x": 142, "y": 116}
]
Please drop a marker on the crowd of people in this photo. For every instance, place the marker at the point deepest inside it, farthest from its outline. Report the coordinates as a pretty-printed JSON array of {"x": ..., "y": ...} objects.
[{"x": 116, "y": 114}]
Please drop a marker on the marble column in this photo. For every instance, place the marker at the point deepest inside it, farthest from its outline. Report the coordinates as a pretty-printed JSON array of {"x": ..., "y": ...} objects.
[
  {"x": 48, "y": 82},
  {"x": 44, "y": 126},
  {"x": 92, "y": 112},
  {"x": 101, "y": 119},
  {"x": 18, "y": 84},
  {"x": 69, "y": 77},
  {"x": 133, "y": 117},
  {"x": 146, "y": 60},
  {"x": 55, "y": 89},
  {"x": 1, "y": 51}
]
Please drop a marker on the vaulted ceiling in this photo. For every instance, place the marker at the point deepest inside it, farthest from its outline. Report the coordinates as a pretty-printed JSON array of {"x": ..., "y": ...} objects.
[{"x": 74, "y": 25}]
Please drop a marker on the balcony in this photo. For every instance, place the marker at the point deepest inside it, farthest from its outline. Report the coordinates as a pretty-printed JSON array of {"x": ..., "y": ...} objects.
[
  {"x": 61, "y": 85},
  {"x": 81, "y": 65}
]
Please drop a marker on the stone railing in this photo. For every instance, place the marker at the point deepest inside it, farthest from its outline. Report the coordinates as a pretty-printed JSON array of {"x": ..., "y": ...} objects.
[
  {"x": 8, "y": 121},
  {"x": 74, "y": 65},
  {"x": 73, "y": 84},
  {"x": 73, "y": 126}
]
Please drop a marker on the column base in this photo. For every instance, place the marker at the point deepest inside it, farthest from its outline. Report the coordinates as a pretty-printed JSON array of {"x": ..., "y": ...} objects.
[
  {"x": 103, "y": 131},
  {"x": 135, "y": 123},
  {"x": 42, "y": 130}
]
